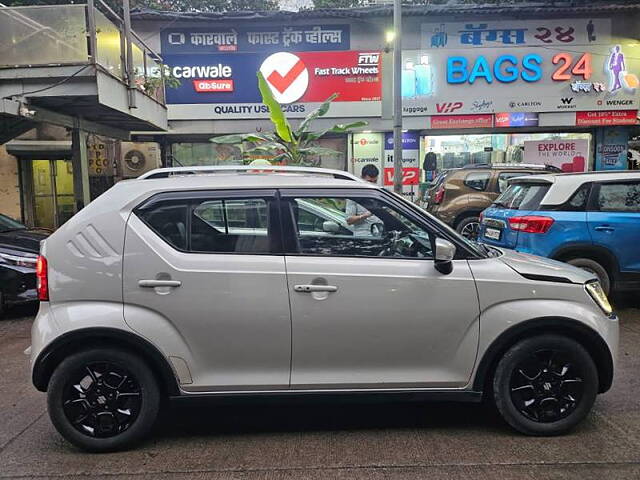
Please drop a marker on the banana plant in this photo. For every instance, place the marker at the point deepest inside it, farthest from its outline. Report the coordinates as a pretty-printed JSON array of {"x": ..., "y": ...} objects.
[{"x": 285, "y": 144}]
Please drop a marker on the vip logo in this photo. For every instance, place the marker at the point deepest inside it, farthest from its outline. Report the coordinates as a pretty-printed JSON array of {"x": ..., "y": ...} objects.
[
  {"x": 448, "y": 107},
  {"x": 286, "y": 75},
  {"x": 368, "y": 59},
  {"x": 567, "y": 100}
]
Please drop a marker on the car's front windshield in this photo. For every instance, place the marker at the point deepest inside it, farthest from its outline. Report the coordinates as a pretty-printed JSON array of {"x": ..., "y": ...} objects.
[{"x": 8, "y": 224}]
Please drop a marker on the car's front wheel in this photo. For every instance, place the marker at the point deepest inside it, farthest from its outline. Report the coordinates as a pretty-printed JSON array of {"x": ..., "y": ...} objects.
[
  {"x": 103, "y": 399},
  {"x": 545, "y": 385}
]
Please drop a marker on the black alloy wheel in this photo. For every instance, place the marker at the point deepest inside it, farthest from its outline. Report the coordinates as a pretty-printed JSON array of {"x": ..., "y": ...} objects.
[
  {"x": 545, "y": 385},
  {"x": 102, "y": 400}
]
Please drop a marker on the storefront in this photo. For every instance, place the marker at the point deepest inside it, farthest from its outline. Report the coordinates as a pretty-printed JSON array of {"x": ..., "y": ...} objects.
[{"x": 482, "y": 85}]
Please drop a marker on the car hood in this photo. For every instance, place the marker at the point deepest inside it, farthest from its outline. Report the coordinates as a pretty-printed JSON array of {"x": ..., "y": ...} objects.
[
  {"x": 544, "y": 269},
  {"x": 25, "y": 240}
]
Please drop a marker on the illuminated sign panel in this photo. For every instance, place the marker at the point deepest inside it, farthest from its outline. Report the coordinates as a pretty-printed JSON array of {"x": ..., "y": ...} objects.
[{"x": 527, "y": 66}]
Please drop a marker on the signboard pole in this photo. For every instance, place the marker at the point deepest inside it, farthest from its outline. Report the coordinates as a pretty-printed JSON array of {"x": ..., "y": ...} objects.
[{"x": 397, "y": 98}]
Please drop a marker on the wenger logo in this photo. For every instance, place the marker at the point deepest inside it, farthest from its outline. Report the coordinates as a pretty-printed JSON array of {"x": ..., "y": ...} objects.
[{"x": 448, "y": 107}]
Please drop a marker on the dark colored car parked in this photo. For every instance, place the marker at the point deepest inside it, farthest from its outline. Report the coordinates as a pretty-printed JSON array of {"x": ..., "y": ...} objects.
[{"x": 19, "y": 247}]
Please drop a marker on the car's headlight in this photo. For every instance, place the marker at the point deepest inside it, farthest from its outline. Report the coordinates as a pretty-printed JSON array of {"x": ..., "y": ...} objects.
[
  {"x": 18, "y": 260},
  {"x": 595, "y": 291}
]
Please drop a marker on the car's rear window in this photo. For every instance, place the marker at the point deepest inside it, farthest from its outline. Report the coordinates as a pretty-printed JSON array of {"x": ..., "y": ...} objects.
[{"x": 522, "y": 196}]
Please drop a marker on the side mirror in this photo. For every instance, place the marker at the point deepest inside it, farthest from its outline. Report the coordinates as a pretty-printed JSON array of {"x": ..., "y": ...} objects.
[
  {"x": 443, "y": 258},
  {"x": 330, "y": 227}
]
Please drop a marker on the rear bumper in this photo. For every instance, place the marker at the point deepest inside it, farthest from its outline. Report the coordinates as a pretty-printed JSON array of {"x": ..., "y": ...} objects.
[{"x": 18, "y": 284}]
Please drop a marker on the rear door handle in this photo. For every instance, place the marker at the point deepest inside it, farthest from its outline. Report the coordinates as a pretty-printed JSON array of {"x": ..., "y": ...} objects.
[
  {"x": 315, "y": 288},
  {"x": 604, "y": 228},
  {"x": 159, "y": 283}
]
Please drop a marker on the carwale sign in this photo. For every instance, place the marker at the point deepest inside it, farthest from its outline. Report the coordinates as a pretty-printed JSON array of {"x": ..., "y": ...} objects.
[
  {"x": 255, "y": 39},
  {"x": 225, "y": 86}
]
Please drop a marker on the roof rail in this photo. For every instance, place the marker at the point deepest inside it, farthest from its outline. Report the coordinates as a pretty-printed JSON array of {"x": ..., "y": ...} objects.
[{"x": 202, "y": 170}]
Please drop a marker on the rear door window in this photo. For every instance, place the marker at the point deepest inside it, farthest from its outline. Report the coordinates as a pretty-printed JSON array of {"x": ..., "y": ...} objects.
[
  {"x": 619, "y": 197},
  {"x": 522, "y": 196},
  {"x": 477, "y": 180}
]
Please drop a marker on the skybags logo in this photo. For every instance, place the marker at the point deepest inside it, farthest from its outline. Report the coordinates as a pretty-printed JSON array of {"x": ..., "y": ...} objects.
[
  {"x": 448, "y": 107},
  {"x": 567, "y": 103}
]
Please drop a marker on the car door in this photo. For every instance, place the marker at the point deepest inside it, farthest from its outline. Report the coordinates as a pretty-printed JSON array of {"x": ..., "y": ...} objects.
[
  {"x": 614, "y": 220},
  {"x": 370, "y": 310},
  {"x": 204, "y": 278}
]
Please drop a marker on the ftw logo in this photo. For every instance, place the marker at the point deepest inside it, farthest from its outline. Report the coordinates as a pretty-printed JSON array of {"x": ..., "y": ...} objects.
[
  {"x": 448, "y": 107},
  {"x": 567, "y": 100},
  {"x": 368, "y": 59}
]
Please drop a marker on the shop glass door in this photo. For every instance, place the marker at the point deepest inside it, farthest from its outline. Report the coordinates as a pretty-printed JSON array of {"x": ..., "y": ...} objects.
[{"x": 53, "y": 202}]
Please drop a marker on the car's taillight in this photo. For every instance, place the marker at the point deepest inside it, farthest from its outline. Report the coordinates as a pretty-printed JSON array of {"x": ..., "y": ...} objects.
[
  {"x": 531, "y": 224},
  {"x": 42, "y": 275},
  {"x": 481, "y": 217},
  {"x": 439, "y": 195}
]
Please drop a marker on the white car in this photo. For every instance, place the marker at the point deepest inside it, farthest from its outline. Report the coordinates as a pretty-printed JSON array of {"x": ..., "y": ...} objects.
[{"x": 207, "y": 284}]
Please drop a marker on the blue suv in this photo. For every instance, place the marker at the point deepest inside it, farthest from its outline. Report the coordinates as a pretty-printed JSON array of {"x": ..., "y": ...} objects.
[{"x": 590, "y": 220}]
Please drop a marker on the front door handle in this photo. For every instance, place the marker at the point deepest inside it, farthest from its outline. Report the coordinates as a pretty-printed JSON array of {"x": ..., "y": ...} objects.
[
  {"x": 315, "y": 288},
  {"x": 159, "y": 283},
  {"x": 604, "y": 228}
]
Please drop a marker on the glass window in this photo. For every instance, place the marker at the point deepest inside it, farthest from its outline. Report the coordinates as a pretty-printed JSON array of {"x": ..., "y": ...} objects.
[
  {"x": 619, "y": 197},
  {"x": 578, "y": 201},
  {"x": 169, "y": 221},
  {"x": 230, "y": 226},
  {"x": 358, "y": 227},
  {"x": 477, "y": 180},
  {"x": 522, "y": 196},
  {"x": 503, "y": 179}
]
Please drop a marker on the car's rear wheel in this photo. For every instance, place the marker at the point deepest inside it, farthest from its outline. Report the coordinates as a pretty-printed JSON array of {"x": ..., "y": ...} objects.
[
  {"x": 469, "y": 227},
  {"x": 103, "y": 399},
  {"x": 595, "y": 268},
  {"x": 545, "y": 385}
]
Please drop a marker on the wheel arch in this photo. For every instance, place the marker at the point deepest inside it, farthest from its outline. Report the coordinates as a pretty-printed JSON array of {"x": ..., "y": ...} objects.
[
  {"x": 472, "y": 212},
  {"x": 598, "y": 253},
  {"x": 85, "y": 338},
  {"x": 586, "y": 336}
]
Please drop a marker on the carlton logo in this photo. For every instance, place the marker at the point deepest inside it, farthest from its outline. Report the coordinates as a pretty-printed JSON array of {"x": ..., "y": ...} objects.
[
  {"x": 448, "y": 107},
  {"x": 286, "y": 75}
]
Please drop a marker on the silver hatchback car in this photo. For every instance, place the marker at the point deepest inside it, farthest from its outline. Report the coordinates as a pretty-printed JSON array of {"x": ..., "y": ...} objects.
[{"x": 231, "y": 281}]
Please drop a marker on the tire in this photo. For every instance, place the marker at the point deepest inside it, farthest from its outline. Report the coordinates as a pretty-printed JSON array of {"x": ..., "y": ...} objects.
[
  {"x": 545, "y": 416},
  {"x": 128, "y": 412},
  {"x": 594, "y": 267},
  {"x": 470, "y": 225}
]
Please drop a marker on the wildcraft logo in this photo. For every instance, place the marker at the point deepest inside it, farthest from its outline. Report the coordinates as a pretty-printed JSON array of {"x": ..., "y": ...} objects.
[
  {"x": 448, "y": 107},
  {"x": 567, "y": 104}
]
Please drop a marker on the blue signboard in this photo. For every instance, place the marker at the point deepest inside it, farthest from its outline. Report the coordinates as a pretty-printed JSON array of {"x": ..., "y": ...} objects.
[
  {"x": 410, "y": 141},
  {"x": 611, "y": 149},
  {"x": 255, "y": 39},
  {"x": 236, "y": 71}
]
